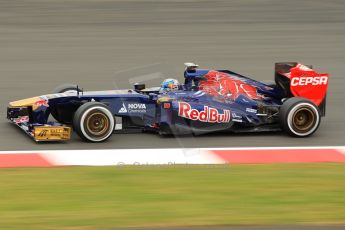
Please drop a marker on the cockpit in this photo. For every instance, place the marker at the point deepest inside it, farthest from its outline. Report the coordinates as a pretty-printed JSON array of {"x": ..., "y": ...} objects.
[{"x": 192, "y": 77}]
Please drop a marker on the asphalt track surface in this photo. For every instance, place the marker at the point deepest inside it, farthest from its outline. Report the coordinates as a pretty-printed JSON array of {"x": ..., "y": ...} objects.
[{"x": 111, "y": 44}]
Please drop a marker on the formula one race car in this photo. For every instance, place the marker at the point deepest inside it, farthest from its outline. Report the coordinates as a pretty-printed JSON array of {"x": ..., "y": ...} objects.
[{"x": 208, "y": 101}]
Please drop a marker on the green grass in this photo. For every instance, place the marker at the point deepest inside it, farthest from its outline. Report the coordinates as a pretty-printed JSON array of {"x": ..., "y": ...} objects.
[{"x": 110, "y": 197}]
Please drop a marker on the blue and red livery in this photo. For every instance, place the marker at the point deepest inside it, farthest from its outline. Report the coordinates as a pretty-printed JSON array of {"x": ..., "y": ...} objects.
[{"x": 208, "y": 101}]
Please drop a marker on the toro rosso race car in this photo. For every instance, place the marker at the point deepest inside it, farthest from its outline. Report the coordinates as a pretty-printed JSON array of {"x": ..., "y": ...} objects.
[{"x": 208, "y": 101}]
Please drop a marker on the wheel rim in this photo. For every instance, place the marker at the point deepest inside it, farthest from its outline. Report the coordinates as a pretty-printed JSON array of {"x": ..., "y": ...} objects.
[
  {"x": 303, "y": 120},
  {"x": 97, "y": 124}
]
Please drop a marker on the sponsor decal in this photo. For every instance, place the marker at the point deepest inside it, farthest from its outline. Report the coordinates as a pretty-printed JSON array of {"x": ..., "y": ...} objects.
[
  {"x": 230, "y": 86},
  {"x": 322, "y": 80},
  {"x": 234, "y": 115},
  {"x": 52, "y": 133},
  {"x": 43, "y": 133},
  {"x": 123, "y": 109},
  {"x": 250, "y": 110},
  {"x": 56, "y": 132},
  {"x": 236, "y": 118},
  {"x": 23, "y": 119},
  {"x": 207, "y": 115},
  {"x": 133, "y": 108},
  {"x": 307, "y": 83},
  {"x": 166, "y": 105},
  {"x": 303, "y": 67},
  {"x": 40, "y": 103}
]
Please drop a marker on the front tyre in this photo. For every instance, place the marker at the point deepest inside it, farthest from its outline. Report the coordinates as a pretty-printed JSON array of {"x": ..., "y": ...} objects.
[
  {"x": 60, "y": 113},
  {"x": 299, "y": 117},
  {"x": 94, "y": 122},
  {"x": 67, "y": 88}
]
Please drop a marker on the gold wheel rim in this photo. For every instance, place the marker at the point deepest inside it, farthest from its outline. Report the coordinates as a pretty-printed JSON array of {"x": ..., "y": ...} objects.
[
  {"x": 97, "y": 124},
  {"x": 303, "y": 120}
]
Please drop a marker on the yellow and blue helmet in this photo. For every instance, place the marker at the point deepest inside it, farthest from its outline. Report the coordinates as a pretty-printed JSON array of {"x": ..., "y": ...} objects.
[{"x": 170, "y": 85}]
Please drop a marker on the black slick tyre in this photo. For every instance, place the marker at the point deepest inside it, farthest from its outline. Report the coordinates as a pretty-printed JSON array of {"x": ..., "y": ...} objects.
[
  {"x": 65, "y": 88},
  {"x": 61, "y": 114},
  {"x": 299, "y": 117},
  {"x": 94, "y": 122}
]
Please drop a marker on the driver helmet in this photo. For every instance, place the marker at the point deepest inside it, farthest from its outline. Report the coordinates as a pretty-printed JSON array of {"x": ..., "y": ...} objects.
[{"x": 170, "y": 85}]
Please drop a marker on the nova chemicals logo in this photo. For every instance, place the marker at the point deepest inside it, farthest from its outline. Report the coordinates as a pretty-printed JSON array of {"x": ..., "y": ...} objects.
[
  {"x": 136, "y": 106},
  {"x": 133, "y": 108},
  {"x": 123, "y": 109}
]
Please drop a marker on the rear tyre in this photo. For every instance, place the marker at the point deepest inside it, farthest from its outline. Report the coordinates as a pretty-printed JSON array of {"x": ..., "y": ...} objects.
[
  {"x": 94, "y": 122},
  {"x": 60, "y": 114},
  {"x": 299, "y": 117}
]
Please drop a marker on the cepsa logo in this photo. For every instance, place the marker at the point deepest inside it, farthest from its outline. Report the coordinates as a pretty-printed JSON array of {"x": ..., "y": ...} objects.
[
  {"x": 309, "y": 81},
  {"x": 207, "y": 115}
]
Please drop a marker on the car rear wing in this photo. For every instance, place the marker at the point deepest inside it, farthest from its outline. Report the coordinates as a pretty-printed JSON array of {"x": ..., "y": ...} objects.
[{"x": 298, "y": 80}]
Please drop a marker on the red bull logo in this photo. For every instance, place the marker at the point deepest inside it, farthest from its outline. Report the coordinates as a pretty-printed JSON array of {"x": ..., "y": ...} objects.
[
  {"x": 207, "y": 115},
  {"x": 42, "y": 103},
  {"x": 39, "y": 104},
  {"x": 228, "y": 86}
]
